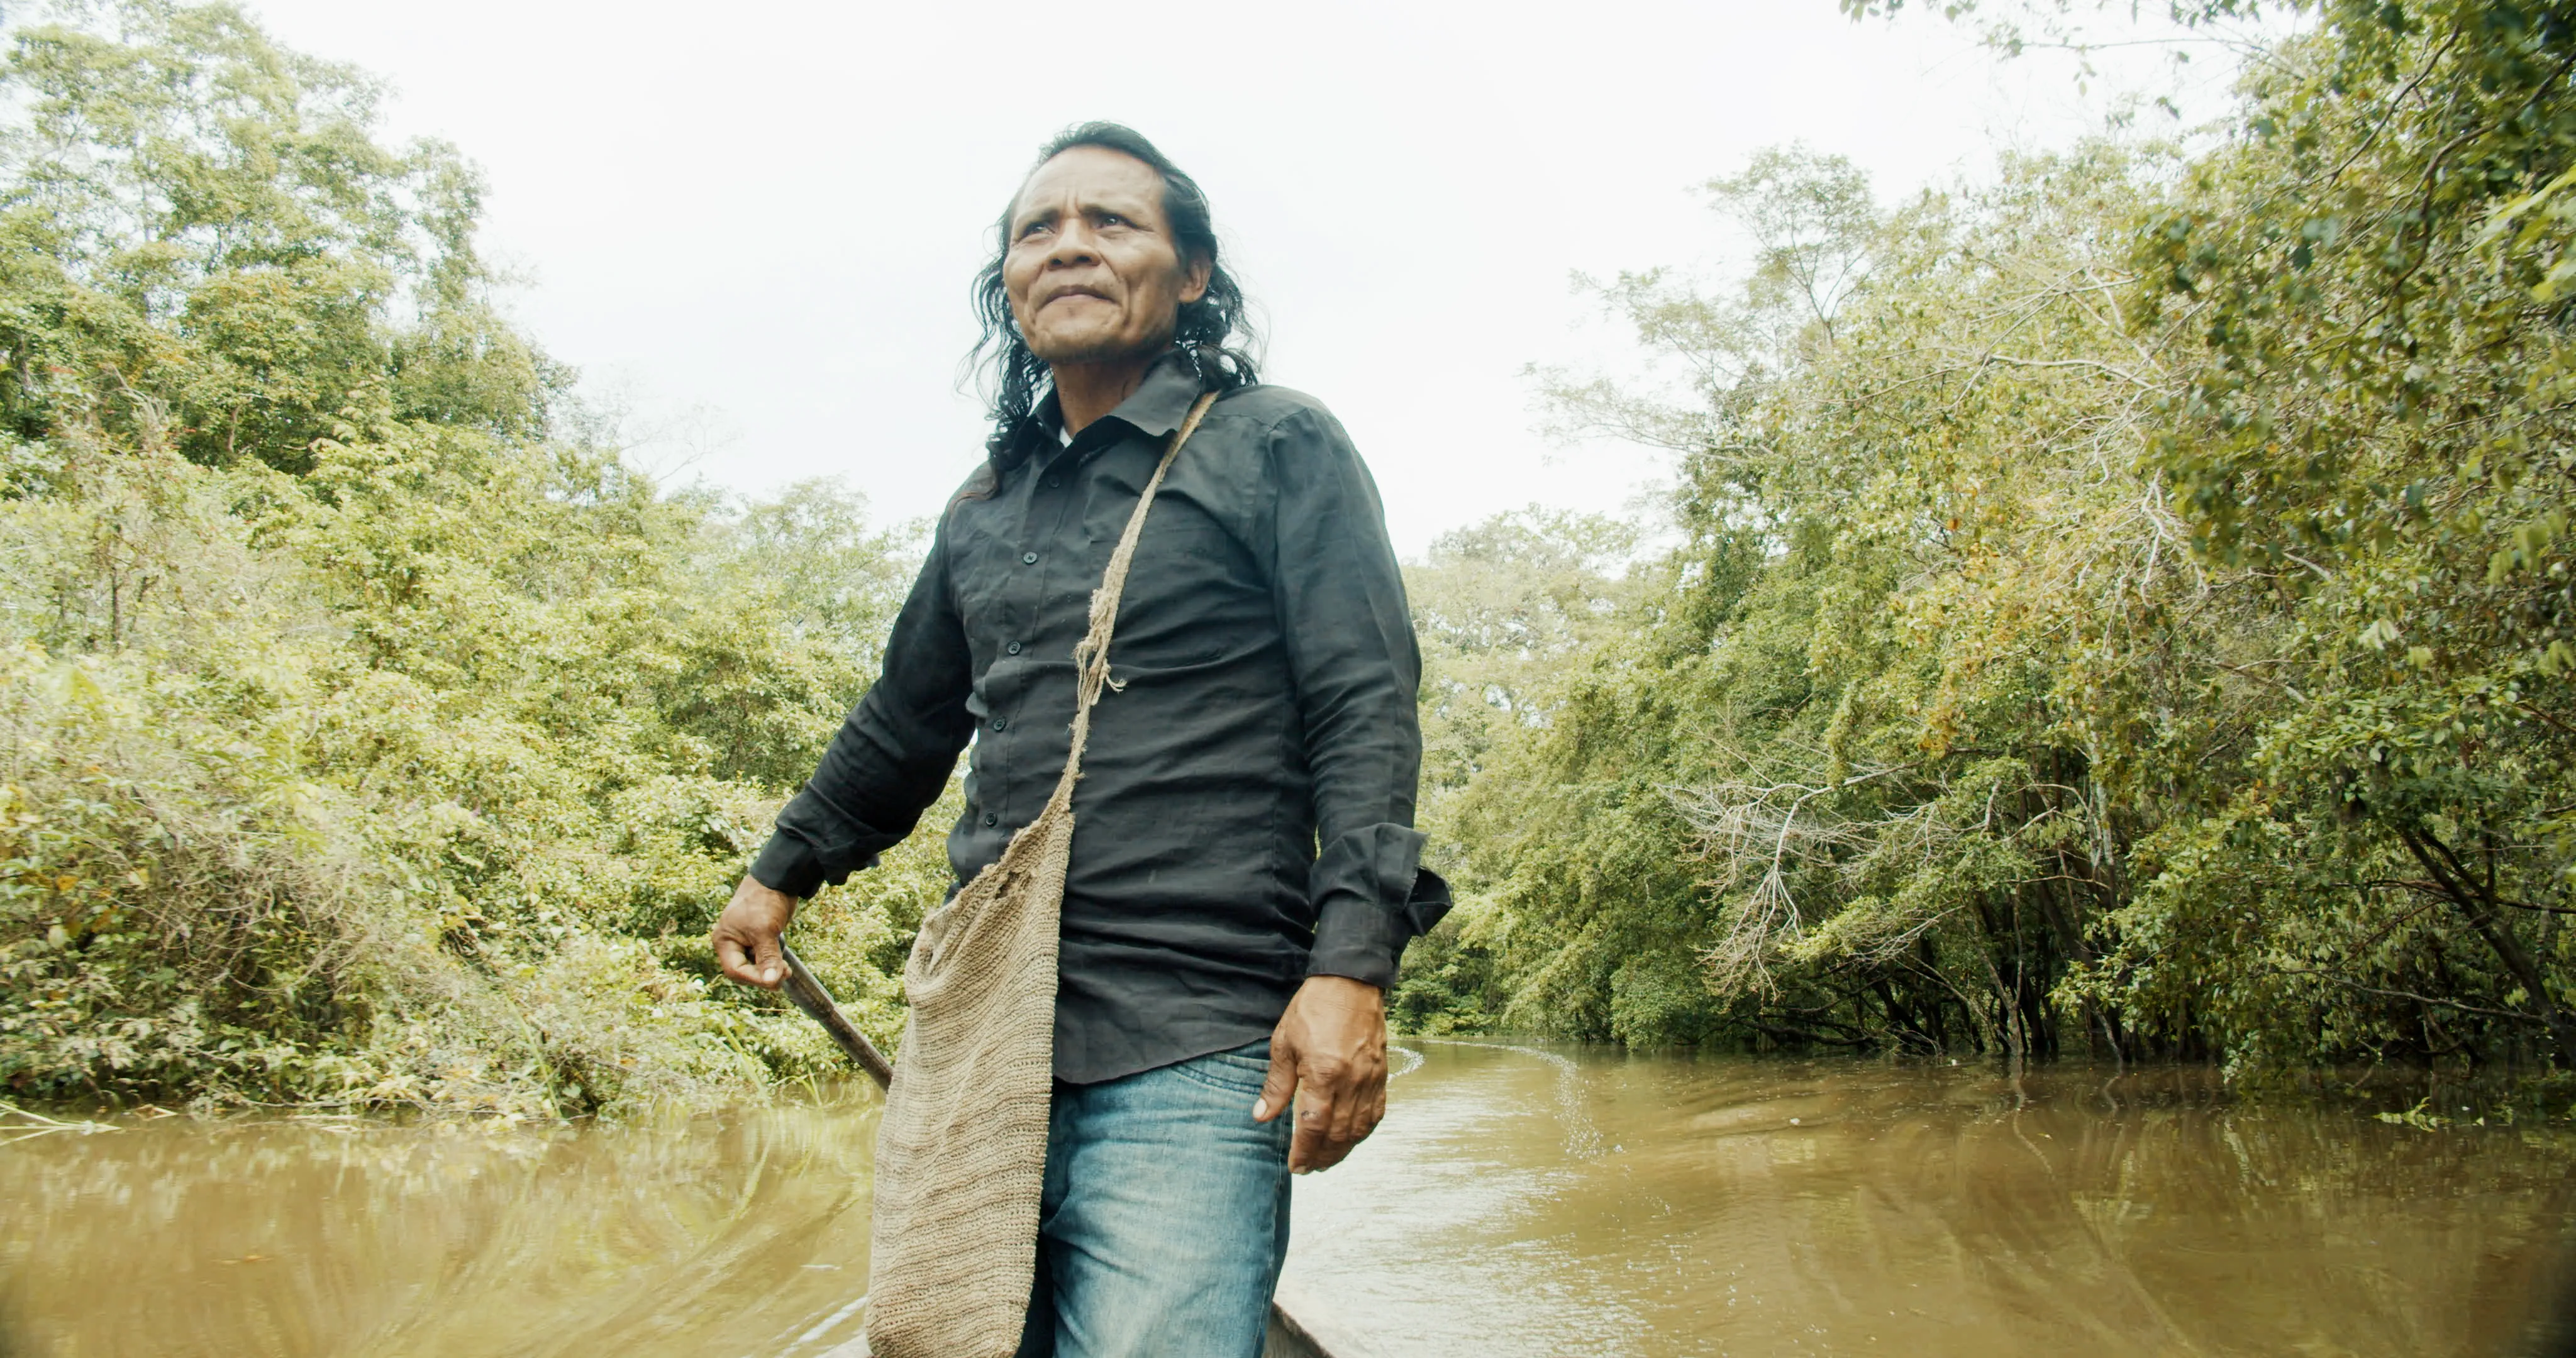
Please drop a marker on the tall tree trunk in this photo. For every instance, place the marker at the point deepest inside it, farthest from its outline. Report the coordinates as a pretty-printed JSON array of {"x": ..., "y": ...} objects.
[{"x": 2476, "y": 901}]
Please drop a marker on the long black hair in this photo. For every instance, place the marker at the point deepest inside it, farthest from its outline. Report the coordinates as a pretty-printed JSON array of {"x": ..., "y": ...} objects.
[{"x": 1214, "y": 330}]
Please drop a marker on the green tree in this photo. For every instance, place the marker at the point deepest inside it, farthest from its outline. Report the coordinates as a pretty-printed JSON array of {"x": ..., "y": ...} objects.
[
  {"x": 1501, "y": 608},
  {"x": 202, "y": 235},
  {"x": 369, "y": 742},
  {"x": 2127, "y": 606}
]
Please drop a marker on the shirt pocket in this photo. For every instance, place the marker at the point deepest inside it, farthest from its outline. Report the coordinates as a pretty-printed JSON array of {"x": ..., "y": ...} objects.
[
  {"x": 1191, "y": 596},
  {"x": 1187, "y": 547}
]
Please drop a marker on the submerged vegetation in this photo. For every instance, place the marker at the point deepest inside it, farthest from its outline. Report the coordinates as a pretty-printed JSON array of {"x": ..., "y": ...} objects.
[
  {"x": 2128, "y": 608},
  {"x": 2123, "y": 608}
]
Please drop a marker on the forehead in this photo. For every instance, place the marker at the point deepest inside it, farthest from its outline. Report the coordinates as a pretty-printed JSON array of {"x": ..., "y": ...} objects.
[{"x": 1090, "y": 174}]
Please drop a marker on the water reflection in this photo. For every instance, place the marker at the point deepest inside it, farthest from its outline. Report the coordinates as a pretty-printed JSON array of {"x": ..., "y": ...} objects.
[
  {"x": 1520, "y": 1200},
  {"x": 745, "y": 1234},
  {"x": 1736, "y": 1207}
]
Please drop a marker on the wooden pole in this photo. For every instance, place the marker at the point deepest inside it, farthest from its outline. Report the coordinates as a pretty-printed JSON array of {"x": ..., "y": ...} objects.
[{"x": 806, "y": 992}]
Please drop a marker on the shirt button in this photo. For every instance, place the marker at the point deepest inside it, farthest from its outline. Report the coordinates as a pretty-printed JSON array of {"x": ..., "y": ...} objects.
[
  {"x": 1013, "y": 648},
  {"x": 1028, "y": 558},
  {"x": 992, "y": 820},
  {"x": 1000, "y": 722}
]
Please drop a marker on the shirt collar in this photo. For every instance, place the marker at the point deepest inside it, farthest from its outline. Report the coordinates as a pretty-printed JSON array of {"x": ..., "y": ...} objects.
[
  {"x": 1162, "y": 400},
  {"x": 1155, "y": 408}
]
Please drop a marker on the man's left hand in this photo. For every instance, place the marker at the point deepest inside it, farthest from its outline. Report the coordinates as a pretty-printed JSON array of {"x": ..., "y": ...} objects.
[{"x": 1329, "y": 1053}]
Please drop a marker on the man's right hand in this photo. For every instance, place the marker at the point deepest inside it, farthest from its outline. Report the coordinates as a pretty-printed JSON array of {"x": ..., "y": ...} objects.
[{"x": 746, "y": 934}]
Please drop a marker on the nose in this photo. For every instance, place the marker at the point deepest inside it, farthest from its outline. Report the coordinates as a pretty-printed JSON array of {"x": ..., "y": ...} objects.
[{"x": 1074, "y": 244}]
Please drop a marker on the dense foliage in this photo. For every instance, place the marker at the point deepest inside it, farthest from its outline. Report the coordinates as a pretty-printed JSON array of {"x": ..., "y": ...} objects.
[
  {"x": 2125, "y": 607},
  {"x": 367, "y": 741},
  {"x": 2129, "y": 607}
]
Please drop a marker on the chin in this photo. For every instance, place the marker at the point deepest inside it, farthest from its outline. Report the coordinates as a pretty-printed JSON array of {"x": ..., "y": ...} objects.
[{"x": 1089, "y": 347}]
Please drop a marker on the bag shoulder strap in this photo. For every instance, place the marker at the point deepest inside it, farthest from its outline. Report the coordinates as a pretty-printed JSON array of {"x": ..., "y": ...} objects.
[{"x": 1091, "y": 654}]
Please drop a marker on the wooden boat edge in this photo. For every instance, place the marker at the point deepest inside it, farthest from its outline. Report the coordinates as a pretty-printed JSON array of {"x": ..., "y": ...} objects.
[
  {"x": 1288, "y": 1338},
  {"x": 1301, "y": 1329}
]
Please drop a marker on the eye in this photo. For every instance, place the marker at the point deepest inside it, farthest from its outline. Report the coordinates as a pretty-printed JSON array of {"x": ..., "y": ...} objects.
[{"x": 1112, "y": 219}]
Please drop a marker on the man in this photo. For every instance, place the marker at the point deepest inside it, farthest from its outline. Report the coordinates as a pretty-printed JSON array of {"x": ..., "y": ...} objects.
[{"x": 1244, "y": 874}]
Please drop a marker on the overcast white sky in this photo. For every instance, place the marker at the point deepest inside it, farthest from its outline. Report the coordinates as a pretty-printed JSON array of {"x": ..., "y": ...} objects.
[{"x": 757, "y": 221}]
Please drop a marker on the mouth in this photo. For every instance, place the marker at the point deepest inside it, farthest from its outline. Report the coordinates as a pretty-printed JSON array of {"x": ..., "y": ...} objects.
[{"x": 1072, "y": 294}]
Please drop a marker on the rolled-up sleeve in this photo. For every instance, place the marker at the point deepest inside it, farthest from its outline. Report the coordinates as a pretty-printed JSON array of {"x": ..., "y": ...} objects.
[
  {"x": 1353, "y": 658},
  {"x": 893, "y": 754}
]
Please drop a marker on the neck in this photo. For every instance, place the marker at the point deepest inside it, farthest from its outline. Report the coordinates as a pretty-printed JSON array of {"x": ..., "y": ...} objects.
[{"x": 1086, "y": 391}]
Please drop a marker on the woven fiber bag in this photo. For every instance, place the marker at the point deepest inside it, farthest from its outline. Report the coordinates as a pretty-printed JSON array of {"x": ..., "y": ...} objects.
[{"x": 961, "y": 1153}]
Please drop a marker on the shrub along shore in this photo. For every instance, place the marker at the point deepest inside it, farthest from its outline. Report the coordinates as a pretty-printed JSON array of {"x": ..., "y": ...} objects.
[
  {"x": 376, "y": 736},
  {"x": 2124, "y": 607}
]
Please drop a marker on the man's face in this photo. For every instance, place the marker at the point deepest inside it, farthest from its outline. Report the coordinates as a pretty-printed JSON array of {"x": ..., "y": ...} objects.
[{"x": 1093, "y": 273}]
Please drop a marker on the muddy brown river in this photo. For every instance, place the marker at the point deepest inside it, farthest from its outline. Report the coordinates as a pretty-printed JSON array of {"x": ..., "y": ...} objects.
[{"x": 1519, "y": 1200}]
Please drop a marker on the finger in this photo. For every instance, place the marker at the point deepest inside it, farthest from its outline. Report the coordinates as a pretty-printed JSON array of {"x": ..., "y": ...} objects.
[
  {"x": 1308, "y": 1150},
  {"x": 1313, "y": 1143},
  {"x": 1364, "y": 1113},
  {"x": 1376, "y": 1113},
  {"x": 733, "y": 960},
  {"x": 765, "y": 955},
  {"x": 1350, "y": 1105},
  {"x": 1326, "y": 1154},
  {"x": 1363, "y": 1126},
  {"x": 1347, "y": 1086},
  {"x": 1279, "y": 1084}
]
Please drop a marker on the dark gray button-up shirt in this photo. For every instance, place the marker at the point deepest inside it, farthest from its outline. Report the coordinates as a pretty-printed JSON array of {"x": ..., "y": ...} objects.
[{"x": 1245, "y": 813}]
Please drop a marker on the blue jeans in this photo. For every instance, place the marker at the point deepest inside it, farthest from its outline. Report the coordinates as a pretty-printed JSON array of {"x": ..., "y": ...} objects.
[{"x": 1165, "y": 1215}]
